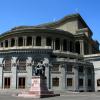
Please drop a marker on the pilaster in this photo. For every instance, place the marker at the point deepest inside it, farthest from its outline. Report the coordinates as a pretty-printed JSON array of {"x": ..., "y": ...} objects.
[
  {"x": 29, "y": 71},
  {"x": 14, "y": 73}
]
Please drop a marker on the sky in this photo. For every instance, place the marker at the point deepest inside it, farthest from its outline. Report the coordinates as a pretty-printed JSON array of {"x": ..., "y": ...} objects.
[{"x": 33, "y": 12}]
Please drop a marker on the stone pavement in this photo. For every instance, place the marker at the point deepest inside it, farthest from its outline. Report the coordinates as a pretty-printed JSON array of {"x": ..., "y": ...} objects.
[{"x": 11, "y": 95}]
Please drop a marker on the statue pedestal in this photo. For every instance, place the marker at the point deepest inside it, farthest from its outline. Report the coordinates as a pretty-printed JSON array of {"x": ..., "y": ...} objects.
[{"x": 38, "y": 89}]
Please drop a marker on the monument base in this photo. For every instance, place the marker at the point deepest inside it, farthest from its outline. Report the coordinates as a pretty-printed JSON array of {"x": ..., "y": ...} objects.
[{"x": 38, "y": 89}]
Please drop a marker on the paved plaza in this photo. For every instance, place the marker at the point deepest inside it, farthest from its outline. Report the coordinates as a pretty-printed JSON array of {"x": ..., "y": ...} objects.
[{"x": 4, "y": 95}]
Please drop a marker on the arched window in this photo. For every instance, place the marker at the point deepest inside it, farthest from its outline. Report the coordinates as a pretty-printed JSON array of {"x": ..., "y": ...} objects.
[
  {"x": 64, "y": 45},
  {"x": 12, "y": 42},
  {"x": 29, "y": 41},
  {"x": 20, "y": 41},
  {"x": 57, "y": 44},
  {"x": 48, "y": 41},
  {"x": 77, "y": 47},
  {"x": 38, "y": 41},
  {"x": 7, "y": 64},
  {"x": 6, "y": 43},
  {"x": 21, "y": 64}
]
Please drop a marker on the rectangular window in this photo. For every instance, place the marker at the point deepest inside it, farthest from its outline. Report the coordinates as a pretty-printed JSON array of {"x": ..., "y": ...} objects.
[
  {"x": 69, "y": 81},
  {"x": 81, "y": 69},
  {"x": 21, "y": 82},
  {"x": 89, "y": 83},
  {"x": 55, "y": 81},
  {"x": 7, "y": 82},
  {"x": 81, "y": 82}
]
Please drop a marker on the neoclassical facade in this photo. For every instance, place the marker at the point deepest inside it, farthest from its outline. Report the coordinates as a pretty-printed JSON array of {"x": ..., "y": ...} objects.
[{"x": 61, "y": 45}]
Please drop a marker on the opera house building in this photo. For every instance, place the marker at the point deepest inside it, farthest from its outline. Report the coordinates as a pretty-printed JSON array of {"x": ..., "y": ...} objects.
[{"x": 61, "y": 45}]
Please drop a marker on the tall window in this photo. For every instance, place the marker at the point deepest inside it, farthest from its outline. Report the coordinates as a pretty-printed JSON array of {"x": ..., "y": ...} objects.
[
  {"x": 77, "y": 47},
  {"x": 12, "y": 42},
  {"x": 48, "y": 41},
  {"x": 89, "y": 82},
  {"x": 22, "y": 64},
  {"x": 6, "y": 43},
  {"x": 1, "y": 44},
  {"x": 71, "y": 46},
  {"x": 69, "y": 81},
  {"x": 38, "y": 41},
  {"x": 21, "y": 82},
  {"x": 55, "y": 81},
  {"x": 29, "y": 41},
  {"x": 64, "y": 45},
  {"x": 7, "y": 65},
  {"x": 20, "y": 41},
  {"x": 57, "y": 44},
  {"x": 7, "y": 82}
]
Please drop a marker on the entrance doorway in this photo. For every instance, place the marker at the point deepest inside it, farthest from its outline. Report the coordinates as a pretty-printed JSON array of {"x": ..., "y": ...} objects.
[
  {"x": 21, "y": 82},
  {"x": 7, "y": 82}
]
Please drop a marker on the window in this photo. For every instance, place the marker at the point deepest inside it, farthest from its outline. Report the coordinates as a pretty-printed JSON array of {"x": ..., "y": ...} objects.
[
  {"x": 89, "y": 71},
  {"x": 81, "y": 82},
  {"x": 64, "y": 45},
  {"x": 1, "y": 44},
  {"x": 21, "y": 82},
  {"x": 29, "y": 41},
  {"x": 20, "y": 41},
  {"x": 6, "y": 43},
  {"x": 69, "y": 82},
  {"x": 77, "y": 47},
  {"x": 22, "y": 64},
  {"x": 12, "y": 42},
  {"x": 98, "y": 82},
  {"x": 55, "y": 67},
  {"x": 38, "y": 41},
  {"x": 48, "y": 41},
  {"x": 71, "y": 46},
  {"x": 57, "y": 44},
  {"x": 7, "y": 65},
  {"x": 55, "y": 81},
  {"x": 69, "y": 68},
  {"x": 7, "y": 82}
]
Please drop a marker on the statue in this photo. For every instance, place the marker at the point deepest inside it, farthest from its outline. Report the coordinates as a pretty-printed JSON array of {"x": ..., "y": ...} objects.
[{"x": 40, "y": 69}]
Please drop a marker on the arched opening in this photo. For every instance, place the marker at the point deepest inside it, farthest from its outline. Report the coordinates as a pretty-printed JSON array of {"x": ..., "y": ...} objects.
[
  {"x": 71, "y": 46},
  {"x": 12, "y": 42},
  {"x": 64, "y": 45},
  {"x": 21, "y": 64},
  {"x": 48, "y": 41},
  {"x": 77, "y": 47},
  {"x": 7, "y": 64},
  {"x": 20, "y": 41},
  {"x": 57, "y": 44},
  {"x": 29, "y": 41},
  {"x": 38, "y": 41},
  {"x": 6, "y": 43},
  {"x": 1, "y": 44}
]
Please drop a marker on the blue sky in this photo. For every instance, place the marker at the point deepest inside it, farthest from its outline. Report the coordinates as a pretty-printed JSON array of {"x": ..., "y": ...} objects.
[{"x": 32, "y": 12}]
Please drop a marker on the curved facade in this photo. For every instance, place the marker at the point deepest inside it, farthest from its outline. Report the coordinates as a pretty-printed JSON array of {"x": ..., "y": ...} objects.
[{"x": 60, "y": 45}]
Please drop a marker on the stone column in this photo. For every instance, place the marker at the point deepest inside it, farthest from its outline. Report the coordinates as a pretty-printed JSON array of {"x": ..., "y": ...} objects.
[
  {"x": 82, "y": 47},
  {"x": 9, "y": 43},
  {"x": 47, "y": 72},
  {"x": 16, "y": 41},
  {"x": 29, "y": 71},
  {"x": 76, "y": 77},
  {"x": 14, "y": 73},
  {"x": 34, "y": 40},
  {"x": 43, "y": 41},
  {"x": 1, "y": 73},
  {"x": 24, "y": 40},
  {"x": 63, "y": 76},
  {"x": 61, "y": 45}
]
